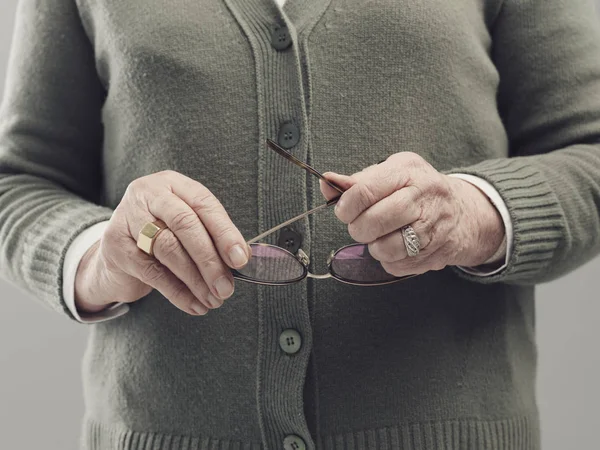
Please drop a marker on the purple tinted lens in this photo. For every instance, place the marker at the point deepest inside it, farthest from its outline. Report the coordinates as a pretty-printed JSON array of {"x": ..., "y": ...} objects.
[
  {"x": 354, "y": 263},
  {"x": 272, "y": 264}
]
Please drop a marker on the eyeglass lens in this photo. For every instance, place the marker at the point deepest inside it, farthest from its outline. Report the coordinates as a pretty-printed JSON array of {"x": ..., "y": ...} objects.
[
  {"x": 271, "y": 264},
  {"x": 353, "y": 263}
]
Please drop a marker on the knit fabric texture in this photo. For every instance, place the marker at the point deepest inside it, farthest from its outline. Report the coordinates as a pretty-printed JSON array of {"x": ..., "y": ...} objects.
[{"x": 101, "y": 92}]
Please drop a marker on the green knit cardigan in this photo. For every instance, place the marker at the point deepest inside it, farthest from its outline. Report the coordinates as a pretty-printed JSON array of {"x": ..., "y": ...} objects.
[{"x": 101, "y": 92}]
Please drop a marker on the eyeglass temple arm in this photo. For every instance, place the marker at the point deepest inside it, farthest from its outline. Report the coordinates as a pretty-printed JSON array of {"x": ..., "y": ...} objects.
[
  {"x": 287, "y": 155},
  {"x": 331, "y": 202}
]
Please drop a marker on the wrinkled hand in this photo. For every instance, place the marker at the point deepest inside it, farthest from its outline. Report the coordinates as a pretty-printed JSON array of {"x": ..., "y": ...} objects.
[
  {"x": 455, "y": 222},
  {"x": 192, "y": 258}
]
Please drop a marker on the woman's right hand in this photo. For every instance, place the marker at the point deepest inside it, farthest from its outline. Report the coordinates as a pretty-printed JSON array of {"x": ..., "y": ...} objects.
[{"x": 192, "y": 258}]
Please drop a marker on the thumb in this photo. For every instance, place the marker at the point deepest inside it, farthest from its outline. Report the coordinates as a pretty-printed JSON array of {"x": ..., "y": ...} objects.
[{"x": 343, "y": 181}]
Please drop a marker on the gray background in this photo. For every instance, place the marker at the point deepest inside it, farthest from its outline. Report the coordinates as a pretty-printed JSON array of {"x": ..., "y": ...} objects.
[{"x": 40, "y": 389}]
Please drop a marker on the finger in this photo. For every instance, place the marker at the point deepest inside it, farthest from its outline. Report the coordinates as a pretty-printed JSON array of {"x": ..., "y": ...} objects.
[
  {"x": 392, "y": 212},
  {"x": 190, "y": 231},
  {"x": 171, "y": 253},
  {"x": 343, "y": 181},
  {"x": 150, "y": 271},
  {"x": 417, "y": 265},
  {"x": 372, "y": 185},
  {"x": 391, "y": 247},
  {"x": 228, "y": 240}
]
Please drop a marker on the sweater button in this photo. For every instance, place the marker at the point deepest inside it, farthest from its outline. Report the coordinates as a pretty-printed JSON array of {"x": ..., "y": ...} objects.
[
  {"x": 293, "y": 442},
  {"x": 290, "y": 240},
  {"x": 289, "y": 135},
  {"x": 290, "y": 341},
  {"x": 280, "y": 37}
]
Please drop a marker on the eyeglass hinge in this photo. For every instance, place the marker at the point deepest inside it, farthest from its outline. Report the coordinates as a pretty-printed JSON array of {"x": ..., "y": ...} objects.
[
  {"x": 330, "y": 257},
  {"x": 303, "y": 257}
]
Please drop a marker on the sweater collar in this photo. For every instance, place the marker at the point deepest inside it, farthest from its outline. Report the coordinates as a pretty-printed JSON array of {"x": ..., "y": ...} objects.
[{"x": 299, "y": 16}]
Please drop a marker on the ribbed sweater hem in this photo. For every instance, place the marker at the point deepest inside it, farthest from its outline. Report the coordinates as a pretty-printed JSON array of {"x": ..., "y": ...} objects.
[{"x": 516, "y": 433}]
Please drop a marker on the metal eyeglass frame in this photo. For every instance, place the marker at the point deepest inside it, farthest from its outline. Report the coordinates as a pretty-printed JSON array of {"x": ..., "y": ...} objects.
[{"x": 302, "y": 257}]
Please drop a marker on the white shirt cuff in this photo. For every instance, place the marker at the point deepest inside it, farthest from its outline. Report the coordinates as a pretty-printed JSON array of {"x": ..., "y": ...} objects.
[
  {"x": 505, "y": 249},
  {"x": 75, "y": 252}
]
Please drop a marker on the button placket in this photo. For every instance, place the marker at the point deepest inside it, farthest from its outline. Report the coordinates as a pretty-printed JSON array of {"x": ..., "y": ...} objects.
[
  {"x": 283, "y": 194},
  {"x": 285, "y": 197}
]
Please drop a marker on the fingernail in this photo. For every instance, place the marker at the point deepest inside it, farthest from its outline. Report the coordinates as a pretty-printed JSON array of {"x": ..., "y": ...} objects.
[
  {"x": 238, "y": 256},
  {"x": 224, "y": 287},
  {"x": 214, "y": 301},
  {"x": 199, "y": 309}
]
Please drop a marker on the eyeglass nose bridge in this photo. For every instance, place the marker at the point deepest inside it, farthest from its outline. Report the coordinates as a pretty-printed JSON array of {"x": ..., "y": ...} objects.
[{"x": 304, "y": 259}]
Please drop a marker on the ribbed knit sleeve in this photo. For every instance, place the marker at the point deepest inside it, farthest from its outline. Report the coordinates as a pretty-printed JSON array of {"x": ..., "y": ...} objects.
[
  {"x": 547, "y": 53},
  {"x": 50, "y": 144}
]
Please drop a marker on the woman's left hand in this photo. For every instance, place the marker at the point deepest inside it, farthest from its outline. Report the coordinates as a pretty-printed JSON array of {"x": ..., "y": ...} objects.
[{"x": 455, "y": 222}]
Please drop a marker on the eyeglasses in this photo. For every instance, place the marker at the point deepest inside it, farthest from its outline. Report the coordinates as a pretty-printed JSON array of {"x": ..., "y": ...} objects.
[{"x": 276, "y": 266}]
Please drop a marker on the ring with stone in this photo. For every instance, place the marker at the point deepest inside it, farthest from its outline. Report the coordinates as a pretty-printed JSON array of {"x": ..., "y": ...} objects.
[{"x": 148, "y": 234}]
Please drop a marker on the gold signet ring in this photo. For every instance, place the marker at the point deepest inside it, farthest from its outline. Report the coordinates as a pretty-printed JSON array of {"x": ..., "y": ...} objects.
[{"x": 148, "y": 234}]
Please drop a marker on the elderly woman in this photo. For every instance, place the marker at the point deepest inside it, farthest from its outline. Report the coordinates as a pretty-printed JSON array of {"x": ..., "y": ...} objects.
[{"x": 156, "y": 154}]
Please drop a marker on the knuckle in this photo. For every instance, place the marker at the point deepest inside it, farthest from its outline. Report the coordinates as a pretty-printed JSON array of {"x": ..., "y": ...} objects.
[
  {"x": 161, "y": 201},
  {"x": 341, "y": 214},
  {"x": 438, "y": 265},
  {"x": 444, "y": 188},
  {"x": 381, "y": 252},
  {"x": 414, "y": 197},
  {"x": 180, "y": 295},
  {"x": 366, "y": 195},
  {"x": 224, "y": 232},
  {"x": 426, "y": 230},
  {"x": 356, "y": 233},
  {"x": 400, "y": 203},
  {"x": 168, "y": 246},
  {"x": 203, "y": 200},
  {"x": 136, "y": 195},
  {"x": 388, "y": 175},
  {"x": 367, "y": 229},
  {"x": 184, "y": 221},
  {"x": 377, "y": 225},
  {"x": 167, "y": 173},
  {"x": 134, "y": 185},
  {"x": 375, "y": 251},
  {"x": 419, "y": 265},
  {"x": 209, "y": 258},
  {"x": 152, "y": 272},
  {"x": 413, "y": 159},
  {"x": 391, "y": 268}
]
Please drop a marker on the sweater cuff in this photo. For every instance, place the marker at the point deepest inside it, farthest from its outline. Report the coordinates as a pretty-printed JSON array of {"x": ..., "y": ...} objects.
[
  {"x": 50, "y": 237},
  {"x": 535, "y": 213}
]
